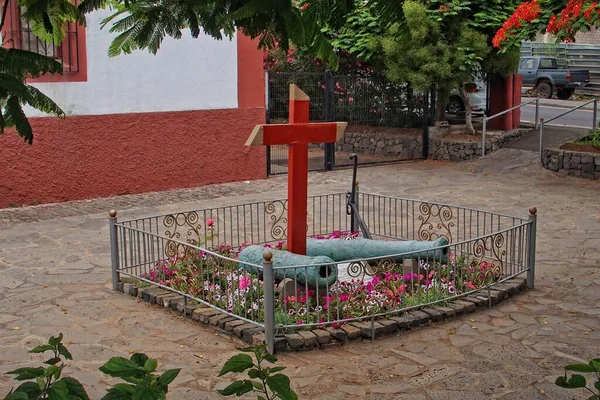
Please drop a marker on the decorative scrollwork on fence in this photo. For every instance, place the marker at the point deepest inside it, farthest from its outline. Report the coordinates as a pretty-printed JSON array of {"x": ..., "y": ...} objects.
[
  {"x": 175, "y": 224},
  {"x": 362, "y": 269},
  {"x": 489, "y": 252},
  {"x": 277, "y": 213},
  {"x": 436, "y": 222}
]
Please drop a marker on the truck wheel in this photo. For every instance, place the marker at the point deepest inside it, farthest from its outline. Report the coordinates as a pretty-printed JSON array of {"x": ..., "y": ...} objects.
[
  {"x": 564, "y": 94},
  {"x": 544, "y": 90}
]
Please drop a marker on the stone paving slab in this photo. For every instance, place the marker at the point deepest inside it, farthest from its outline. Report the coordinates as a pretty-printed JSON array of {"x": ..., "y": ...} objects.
[{"x": 54, "y": 261}]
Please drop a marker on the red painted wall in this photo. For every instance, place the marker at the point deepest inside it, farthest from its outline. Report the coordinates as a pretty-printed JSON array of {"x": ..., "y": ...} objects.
[
  {"x": 102, "y": 155},
  {"x": 96, "y": 156},
  {"x": 505, "y": 93}
]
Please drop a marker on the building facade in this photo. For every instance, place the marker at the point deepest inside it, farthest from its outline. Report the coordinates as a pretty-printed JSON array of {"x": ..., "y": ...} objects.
[{"x": 138, "y": 122}]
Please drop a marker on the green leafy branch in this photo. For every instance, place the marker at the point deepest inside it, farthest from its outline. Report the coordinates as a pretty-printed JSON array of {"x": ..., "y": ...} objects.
[
  {"x": 577, "y": 381},
  {"x": 263, "y": 380},
  {"x": 46, "y": 383}
]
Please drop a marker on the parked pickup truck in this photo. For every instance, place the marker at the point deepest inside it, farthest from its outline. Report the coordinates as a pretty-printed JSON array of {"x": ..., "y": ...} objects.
[{"x": 544, "y": 74}]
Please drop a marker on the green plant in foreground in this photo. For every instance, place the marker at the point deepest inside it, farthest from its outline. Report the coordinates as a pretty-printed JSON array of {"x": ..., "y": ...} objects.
[
  {"x": 577, "y": 381},
  {"x": 46, "y": 383},
  {"x": 275, "y": 386}
]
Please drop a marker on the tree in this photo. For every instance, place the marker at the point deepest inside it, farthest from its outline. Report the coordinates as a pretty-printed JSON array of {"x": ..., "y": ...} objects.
[
  {"x": 426, "y": 52},
  {"x": 18, "y": 65},
  {"x": 561, "y": 18}
]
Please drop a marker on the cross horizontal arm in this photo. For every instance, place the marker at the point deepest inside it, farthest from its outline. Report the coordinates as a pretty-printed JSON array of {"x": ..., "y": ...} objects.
[{"x": 278, "y": 134}]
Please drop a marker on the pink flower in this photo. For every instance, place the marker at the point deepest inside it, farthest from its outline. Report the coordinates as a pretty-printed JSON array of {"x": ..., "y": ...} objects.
[
  {"x": 350, "y": 99},
  {"x": 471, "y": 286},
  {"x": 299, "y": 322},
  {"x": 245, "y": 282},
  {"x": 210, "y": 222}
]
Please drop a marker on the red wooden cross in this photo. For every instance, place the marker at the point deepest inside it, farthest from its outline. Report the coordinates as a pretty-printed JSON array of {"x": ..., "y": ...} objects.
[{"x": 297, "y": 135}]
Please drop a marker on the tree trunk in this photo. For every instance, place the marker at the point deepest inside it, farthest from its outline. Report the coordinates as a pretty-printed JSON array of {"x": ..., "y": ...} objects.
[
  {"x": 442, "y": 95},
  {"x": 464, "y": 95}
]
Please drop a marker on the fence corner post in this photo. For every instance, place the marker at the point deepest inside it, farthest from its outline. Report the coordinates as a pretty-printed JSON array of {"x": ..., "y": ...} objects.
[
  {"x": 269, "y": 285},
  {"x": 114, "y": 249},
  {"x": 537, "y": 112},
  {"x": 541, "y": 140},
  {"x": 595, "y": 122},
  {"x": 483, "y": 132},
  {"x": 531, "y": 247}
]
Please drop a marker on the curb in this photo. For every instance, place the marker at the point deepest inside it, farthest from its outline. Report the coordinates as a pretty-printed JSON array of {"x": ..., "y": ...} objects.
[{"x": 326, "y": 337}]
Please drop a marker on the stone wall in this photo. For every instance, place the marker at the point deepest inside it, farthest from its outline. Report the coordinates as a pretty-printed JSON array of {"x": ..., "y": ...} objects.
[
  {"x": 452, "y": 149},
  {"x": 403, "y": 146},
  {"x": 409, "y": 146},
  {"x": 573, "y": 163}
]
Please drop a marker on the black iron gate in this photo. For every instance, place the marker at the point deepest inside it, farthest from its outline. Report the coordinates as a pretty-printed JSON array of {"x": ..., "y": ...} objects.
[{"x": 386, "y": 122}]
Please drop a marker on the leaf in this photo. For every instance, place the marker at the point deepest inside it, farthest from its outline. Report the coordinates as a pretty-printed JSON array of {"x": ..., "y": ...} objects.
[
  {"x": 27, "y": 373},
  {"x": 280, "y": 384},
  {"x": 238, "y": 388},
  {"x": 150, "y": 365},
  {"x": 254, "y": 373},
  {"x": 139, "y": 359},
  {"x": 270, "y": 358},
  {"x": 124, "y": 388},
  {"x": 580, "y": 368},
  {"x": 52, "y": 361},
  {"x": 17, "y": 396},
  {"x": 75, "y": 388},
  {"x": 58, "y": 391},
  {"x": 113, "y": 394},
  {"x": 147, "y": 393},
  {"x": 258, "y": 386},
  {"x": 42, "y": 348},
  {"x": 32, "y": 390},
  {"x": 276, "y": 369},
  {"x": 168, "y": 377},
  {"x": 62, "y": 350},
  {"x": 237, "y": 363},
  {"x": 120, "y": 367},
  {"x": 575, "y": 382},
  {"x": 54, "y": 341},
  {"x": 596, "y": 364}
]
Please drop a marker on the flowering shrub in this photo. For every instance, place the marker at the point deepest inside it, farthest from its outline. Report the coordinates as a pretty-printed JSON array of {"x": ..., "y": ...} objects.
[
  {"x": 527, "y": 12},
  {"x": 561, "y": 20},
  {"x": 219, "y": 282}
]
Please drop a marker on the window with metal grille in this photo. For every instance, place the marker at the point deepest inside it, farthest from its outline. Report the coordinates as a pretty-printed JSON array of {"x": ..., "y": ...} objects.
[{"x": 17, "y": 33}]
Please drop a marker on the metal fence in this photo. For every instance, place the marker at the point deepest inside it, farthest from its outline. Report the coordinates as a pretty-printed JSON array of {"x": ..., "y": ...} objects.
[
  {"x": 369, "y": 104},
  {"x": 195, "y": 254}
]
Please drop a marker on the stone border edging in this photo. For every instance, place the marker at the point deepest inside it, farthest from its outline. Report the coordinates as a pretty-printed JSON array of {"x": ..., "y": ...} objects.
[
  {"x": 326, "y": 337},
  {"x": 572, "y": 163}
]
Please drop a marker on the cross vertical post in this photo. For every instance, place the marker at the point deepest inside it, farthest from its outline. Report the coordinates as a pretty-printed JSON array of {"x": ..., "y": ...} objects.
[
  {"x": 298, "y": 175},
  {"x": 297, "y": 134}
]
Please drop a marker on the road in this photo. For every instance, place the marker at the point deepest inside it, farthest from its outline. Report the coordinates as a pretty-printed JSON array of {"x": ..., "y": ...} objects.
[{"x": 580, "y": 118}]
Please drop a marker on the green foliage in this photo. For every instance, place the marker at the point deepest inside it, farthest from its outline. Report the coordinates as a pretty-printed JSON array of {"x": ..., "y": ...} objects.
[
  {"x": 577, "y": 381},
  {"x": 15, "y": 66},
  {"x": 48, "y": 384},
  {"x": 424, "y": 51},
  {"x": 143, "y": 24},
  {"x": 263, "y": 380},
  {"x": 593, "y": 139}
]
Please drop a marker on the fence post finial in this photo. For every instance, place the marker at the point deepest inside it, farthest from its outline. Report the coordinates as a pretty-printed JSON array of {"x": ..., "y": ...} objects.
[
  {"x": 114, "y": 248},
  {"x": 531, "y": 246}
]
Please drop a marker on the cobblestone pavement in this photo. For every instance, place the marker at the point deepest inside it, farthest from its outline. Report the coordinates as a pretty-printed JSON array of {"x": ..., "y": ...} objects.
[{"x": 54, "y": 261}]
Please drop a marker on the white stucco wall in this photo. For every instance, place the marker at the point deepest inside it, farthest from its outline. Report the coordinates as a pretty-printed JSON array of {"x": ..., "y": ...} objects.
[{"x": 185, "y": 74}]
